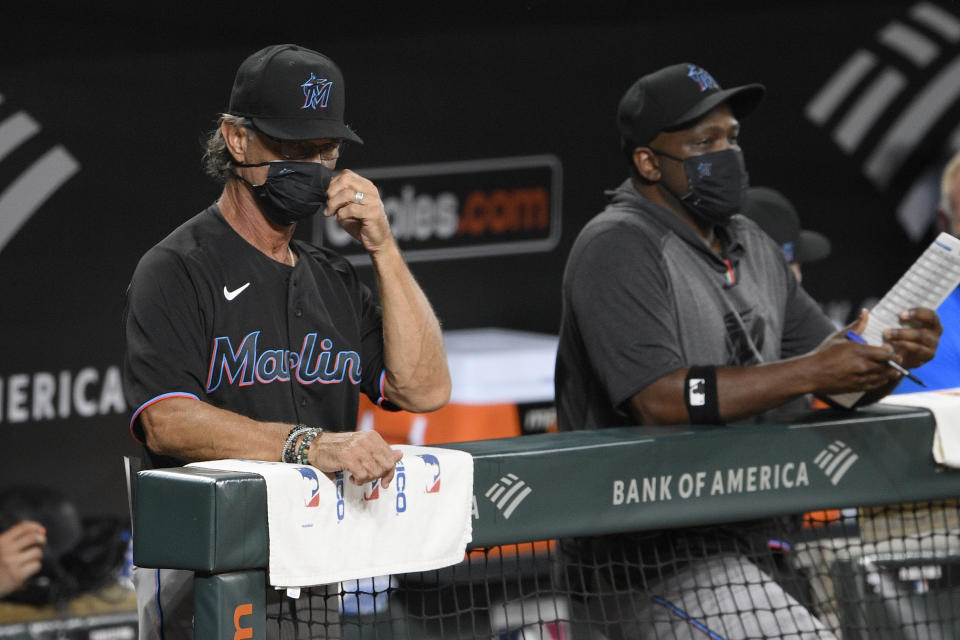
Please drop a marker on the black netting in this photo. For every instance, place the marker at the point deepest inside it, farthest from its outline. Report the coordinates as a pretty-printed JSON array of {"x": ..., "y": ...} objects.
[{"x": 877, "y": 573}]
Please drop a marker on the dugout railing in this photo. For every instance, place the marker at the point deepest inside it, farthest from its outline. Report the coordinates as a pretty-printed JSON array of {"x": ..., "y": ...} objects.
[{"x": 859, "y": 466}]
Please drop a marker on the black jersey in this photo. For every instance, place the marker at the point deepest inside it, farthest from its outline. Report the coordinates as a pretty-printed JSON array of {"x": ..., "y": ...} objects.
[{"x": 211, "y": 317}]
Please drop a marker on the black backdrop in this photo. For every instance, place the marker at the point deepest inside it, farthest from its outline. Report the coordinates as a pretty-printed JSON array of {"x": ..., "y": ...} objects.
[{"x": 127, "y": 92}]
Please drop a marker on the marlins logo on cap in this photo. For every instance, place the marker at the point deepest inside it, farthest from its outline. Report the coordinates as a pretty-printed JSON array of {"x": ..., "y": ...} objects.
[
  {"x": 702, "y": 77},
  {"x": 317, "y": 91}
]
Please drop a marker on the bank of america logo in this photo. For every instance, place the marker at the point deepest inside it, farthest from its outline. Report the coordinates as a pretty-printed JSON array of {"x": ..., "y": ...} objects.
[
  {"x": 835, "y": 460},
  {"x": 39, "y": 180},
  {"x": 507, "y": 494},
  {"x": 895, "y": 96}
]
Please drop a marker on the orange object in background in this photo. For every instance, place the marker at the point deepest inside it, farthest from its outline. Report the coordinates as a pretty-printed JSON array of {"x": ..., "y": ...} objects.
[
  {"x": 519, "y": 549},
  {"x": 502, "y": 387},
  {"x": 452, "y": 423},
  {"x": 823, "y": 518}
]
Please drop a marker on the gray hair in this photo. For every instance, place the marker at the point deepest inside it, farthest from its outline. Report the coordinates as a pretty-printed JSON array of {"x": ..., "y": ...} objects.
[{"x": 216, "y": 157}]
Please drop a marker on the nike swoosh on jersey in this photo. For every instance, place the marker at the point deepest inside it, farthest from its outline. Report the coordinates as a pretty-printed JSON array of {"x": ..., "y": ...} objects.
[{"x": 230, "y": 295}]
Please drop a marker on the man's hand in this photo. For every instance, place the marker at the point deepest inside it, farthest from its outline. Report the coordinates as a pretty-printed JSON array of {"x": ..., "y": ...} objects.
[
  {"x": 21, "y": 550},
  {"x": 842, "y": 365},
  {"x": 364, "y": 219},
  {"x": 916, "y": 342},
  {"x": 364, "y": 454}
]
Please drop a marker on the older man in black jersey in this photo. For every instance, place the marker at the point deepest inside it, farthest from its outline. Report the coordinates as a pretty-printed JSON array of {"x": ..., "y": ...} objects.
[{"x": 242, "y": 342}]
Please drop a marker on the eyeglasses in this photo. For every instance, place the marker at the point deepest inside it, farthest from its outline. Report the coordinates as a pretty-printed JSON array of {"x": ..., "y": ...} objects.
[{"x": 300, "y": 150}]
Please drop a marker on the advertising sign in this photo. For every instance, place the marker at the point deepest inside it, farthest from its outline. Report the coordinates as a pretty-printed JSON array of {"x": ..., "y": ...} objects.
[{"x": 463, "y": 209}]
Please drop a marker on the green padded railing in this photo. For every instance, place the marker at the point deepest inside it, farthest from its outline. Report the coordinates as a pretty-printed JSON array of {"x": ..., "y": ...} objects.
[{"x": 584, "y": 483}]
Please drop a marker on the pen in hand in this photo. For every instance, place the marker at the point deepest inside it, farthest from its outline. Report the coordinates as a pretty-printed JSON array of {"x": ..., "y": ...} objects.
[{"x": 856, "y": 337}]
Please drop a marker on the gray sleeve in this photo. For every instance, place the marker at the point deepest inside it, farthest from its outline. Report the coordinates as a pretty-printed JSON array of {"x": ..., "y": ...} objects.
[
  {"x": 805, "y": 325},
  {"x": 620, "y": 295}
]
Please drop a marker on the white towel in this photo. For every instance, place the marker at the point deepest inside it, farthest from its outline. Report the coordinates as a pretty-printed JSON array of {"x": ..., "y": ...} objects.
[
  {"x": 945, "y": 406},
  {"x": 323, "y": 531}
]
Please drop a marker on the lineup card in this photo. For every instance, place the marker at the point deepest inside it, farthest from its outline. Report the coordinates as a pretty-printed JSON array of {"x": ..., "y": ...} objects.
[{"x": 927, "y": 283}]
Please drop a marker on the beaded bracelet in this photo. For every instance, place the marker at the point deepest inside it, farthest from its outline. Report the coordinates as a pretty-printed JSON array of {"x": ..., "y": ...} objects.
[
  {"x": 289, "y": 454},
  {"x": 296, "y": 431},
  {"x": 303, "y": 450}
]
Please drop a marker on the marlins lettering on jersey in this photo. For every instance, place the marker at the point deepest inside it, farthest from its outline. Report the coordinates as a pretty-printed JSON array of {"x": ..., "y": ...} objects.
[{"x": 248, "y": 364}]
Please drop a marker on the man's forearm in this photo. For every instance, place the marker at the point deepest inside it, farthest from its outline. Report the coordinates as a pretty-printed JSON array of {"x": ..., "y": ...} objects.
[
  {"x": 838, "y": 367},
  {"x": 194, "y": 430},
  {"x": 417, "y": 377},
  {"x": 740, "y": 392}
]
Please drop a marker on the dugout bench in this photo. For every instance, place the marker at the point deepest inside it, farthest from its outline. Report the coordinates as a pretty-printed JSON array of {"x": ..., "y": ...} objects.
[{"x": 527, "y": 489}]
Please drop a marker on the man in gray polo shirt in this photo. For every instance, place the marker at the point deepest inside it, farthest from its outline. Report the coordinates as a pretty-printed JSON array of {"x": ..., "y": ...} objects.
[{"x": 676, "y": 310}]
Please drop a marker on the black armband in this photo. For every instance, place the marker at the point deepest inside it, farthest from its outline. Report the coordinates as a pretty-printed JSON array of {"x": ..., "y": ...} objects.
[{"x": 700, "y": 395}]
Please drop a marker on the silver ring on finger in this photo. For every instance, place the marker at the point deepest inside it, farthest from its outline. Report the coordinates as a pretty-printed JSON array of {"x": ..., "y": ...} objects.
[{"x": 358, "y": 197}]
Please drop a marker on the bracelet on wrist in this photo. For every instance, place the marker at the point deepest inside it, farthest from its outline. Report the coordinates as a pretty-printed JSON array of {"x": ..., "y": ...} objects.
[
  {"x": 289, "y": 450},
  {"x": 303, "y": 451}
]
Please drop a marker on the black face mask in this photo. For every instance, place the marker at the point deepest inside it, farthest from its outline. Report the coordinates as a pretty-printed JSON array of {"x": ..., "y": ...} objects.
[
  {"x": 292, "y": 191},
  {"x": 716, "y": 181}
]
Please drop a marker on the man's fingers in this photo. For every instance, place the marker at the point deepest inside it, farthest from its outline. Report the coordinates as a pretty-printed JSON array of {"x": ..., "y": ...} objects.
[
  {"x": 920, "y": 318},
  {"x": 361, "y": 464},
  {"x": 388, "y": 478},
  {"x": 860, "y": 324},
  {"x": 912, "y": 354},
  {"x": 362, "y": 473},
  {"x": 395, "y": 458},
  {"x": 30, "y": 557},
  {"x": 371, "y": 458},
  {"x": 24, "y": 534},
  {"x": 22, "y": 528},
  {"x": 21, "y": 554},
  {"x": 918, "y": 345},
  {"x": 365, "y": 455},
  {"x": 922, "y": 337},
  {"x": 876, "y": 355},
  {"x": 349, "y": 212},
  {"x": 30, "y": 568},
  {"x": 916, "y": 342},
  {"x": 344, "y": 188},
  {"x": 875, "y": 370},
  {"x": 385, "y": 461}
]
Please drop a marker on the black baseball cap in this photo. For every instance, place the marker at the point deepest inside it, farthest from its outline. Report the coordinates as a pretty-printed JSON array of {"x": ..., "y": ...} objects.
[
  {"x": 673, "y": 98},
  {"x": 777, "y": 216},
  {"x": 291, "y": 93}
]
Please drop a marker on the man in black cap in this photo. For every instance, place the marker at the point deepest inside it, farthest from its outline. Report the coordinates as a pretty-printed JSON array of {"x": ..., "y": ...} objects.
[
  {"x": 699, "y": 287},
  {"x": 676, "y": 310},
  {"x": 242, "y": 342},
  {"x": 777, "y": 216}
]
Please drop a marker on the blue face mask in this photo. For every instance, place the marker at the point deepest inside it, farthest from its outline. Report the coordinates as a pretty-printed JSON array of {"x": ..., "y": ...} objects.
[
  {"x": 293, "y": 191},
  {"x": 716, "y": 184}
]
